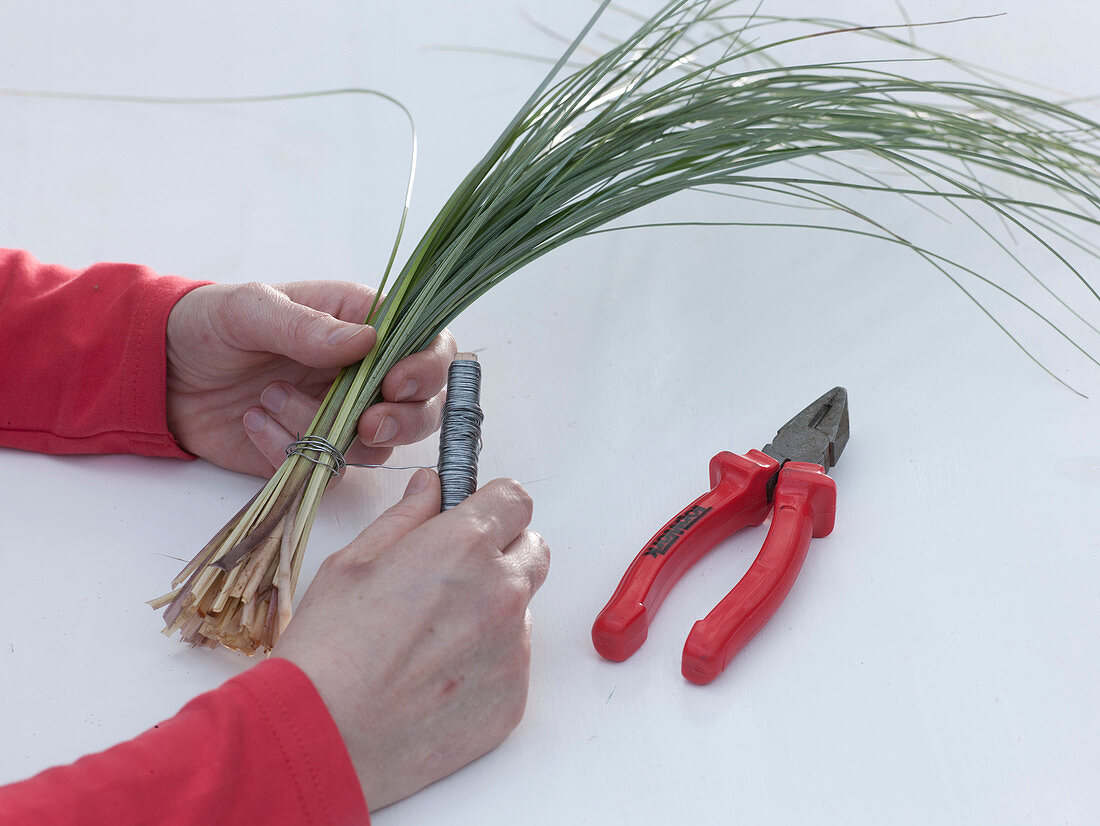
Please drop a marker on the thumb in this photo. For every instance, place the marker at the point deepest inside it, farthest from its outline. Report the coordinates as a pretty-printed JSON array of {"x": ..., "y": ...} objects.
[
  {"x": 419, "y": 504},
  {"x": 269, "y": 320}
]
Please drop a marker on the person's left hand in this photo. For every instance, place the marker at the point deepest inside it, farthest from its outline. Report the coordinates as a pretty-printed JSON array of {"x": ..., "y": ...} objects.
[{"x": 248, "y": 366}]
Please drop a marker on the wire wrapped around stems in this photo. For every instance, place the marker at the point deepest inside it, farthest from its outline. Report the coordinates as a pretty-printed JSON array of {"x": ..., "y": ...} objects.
[{"x": 326, "y": 453}]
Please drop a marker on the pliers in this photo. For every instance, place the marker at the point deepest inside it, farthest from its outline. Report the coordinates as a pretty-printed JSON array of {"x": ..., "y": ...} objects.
[{"x": 789, "y": 476}]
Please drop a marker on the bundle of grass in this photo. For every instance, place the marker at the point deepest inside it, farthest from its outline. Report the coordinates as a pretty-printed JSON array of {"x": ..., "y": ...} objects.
[{"x": 692, "y": 99}]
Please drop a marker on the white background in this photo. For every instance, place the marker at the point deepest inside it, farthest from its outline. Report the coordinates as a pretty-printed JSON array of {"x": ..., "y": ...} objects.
[{"x": 937, "y": 660}]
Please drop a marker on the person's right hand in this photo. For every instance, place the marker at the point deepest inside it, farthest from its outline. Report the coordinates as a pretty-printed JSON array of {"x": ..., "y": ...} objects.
[{"x": 417, "y": 634}]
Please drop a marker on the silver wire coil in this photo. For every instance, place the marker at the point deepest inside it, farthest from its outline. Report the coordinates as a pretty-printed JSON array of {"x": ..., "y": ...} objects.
[{"x": 460, "y": 431}]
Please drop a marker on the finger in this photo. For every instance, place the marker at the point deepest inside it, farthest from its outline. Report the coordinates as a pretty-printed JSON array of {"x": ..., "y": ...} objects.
[
  {"x": 344, "y": 300},
  {"x": 289, "y": 406},
  {"x": 269, "y": 437},
  {"x": 388, "y": 424},
  {"x": 419, "y": 504},
  {"x": 499, "y": 511},
  {"x": 260, "y": 317},
  {"x": 529, "y": 558},
  {"x": 422, "y": 375}
]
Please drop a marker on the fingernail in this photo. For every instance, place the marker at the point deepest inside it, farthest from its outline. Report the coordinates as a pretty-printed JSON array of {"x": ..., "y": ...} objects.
[
  {"x": 387, "y": 429},
  {"x": 418, "y": 482},
  {"x": 407, "y": 391},
  {"x": 345, "y": 334},
  {"x": 255, "y": 421},
  {"x": 273, "y": 398}
]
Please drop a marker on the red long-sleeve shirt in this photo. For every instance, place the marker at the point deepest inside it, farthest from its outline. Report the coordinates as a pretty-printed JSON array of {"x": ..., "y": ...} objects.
[{"x": 83, "y": 371}]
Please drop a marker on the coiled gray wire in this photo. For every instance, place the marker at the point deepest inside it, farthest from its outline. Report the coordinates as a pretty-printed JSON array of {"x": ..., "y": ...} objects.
[{"x": 460, "y": 431}]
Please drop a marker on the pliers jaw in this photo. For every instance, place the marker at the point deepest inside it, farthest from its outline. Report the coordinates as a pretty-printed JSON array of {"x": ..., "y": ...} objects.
[{"x": 817, "y": 435}]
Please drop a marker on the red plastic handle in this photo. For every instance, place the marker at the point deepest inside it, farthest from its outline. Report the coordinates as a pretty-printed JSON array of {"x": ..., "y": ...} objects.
[
  {"x": 805, "y": 505},
  {"x": 738, "y": 498}
]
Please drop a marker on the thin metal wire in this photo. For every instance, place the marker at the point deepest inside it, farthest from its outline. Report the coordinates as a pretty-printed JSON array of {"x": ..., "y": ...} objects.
[
  {"x": 393, "y": 467},
  {"x": 460, "y": 432},
  {"x": 333, "y": 459}
]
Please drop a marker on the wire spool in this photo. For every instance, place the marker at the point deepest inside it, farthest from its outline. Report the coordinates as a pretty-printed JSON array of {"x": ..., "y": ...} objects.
[{"x": 460, "y": 431}]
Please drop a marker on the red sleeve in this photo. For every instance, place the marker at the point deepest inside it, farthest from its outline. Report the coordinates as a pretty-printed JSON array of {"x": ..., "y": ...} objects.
[
  {"x": 260, "y": 749},
  {"x": 84, "y": 364}
]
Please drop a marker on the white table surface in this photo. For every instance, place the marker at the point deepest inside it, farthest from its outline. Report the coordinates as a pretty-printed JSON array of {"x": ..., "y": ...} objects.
[{"x": 937, "y": 660}]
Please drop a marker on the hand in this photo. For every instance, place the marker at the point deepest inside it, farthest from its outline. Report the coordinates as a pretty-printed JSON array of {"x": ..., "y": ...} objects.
[
  {"x": 417, "y": 634},
  {"x": 248, "y": 365}
]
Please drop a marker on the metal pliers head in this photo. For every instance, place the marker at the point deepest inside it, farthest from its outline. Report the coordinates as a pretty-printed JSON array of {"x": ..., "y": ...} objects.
[{"x": 818, "y": 434}]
